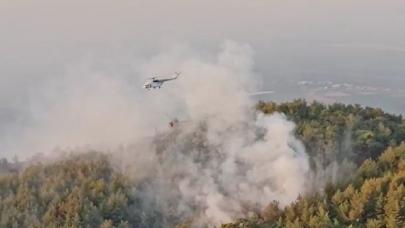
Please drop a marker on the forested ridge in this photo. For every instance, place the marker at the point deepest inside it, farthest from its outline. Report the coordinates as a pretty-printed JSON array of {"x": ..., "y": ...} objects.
[
  {"x": 86, "y": 190},
  {"x": 79, "y": 191},
  {"x": 338, "y": 131},
  {"x": 375, "y": 197}
]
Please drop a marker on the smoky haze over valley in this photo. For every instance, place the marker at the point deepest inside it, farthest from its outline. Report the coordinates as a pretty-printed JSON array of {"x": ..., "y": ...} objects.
[{"x": 55, "y": 53}]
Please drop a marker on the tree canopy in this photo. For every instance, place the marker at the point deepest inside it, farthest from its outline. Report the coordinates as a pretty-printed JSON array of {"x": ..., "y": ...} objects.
[
  {"x": 374, "y": 198},
  {"x": 85, "y": 190}
]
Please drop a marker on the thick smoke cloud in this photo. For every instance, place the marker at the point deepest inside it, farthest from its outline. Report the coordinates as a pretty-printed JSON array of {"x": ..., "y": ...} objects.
[
  {"x": 189, "y": 175},
  {"x": 222, "y": 160}
]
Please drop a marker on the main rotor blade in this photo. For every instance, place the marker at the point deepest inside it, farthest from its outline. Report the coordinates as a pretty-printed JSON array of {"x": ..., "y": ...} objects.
[{"x": 261, "y": 93}]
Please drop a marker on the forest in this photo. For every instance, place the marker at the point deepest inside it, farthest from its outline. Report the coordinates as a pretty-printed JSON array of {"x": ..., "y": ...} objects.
[
  {"x": 375, "y": 197},
  {"x": 366, "y": 144}
]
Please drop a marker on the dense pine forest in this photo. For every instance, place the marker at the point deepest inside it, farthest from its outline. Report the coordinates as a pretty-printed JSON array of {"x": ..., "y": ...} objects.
[
  {"x": 341, "y": 131},
  {"x": 365, "y": 145},
  {"x": 375, "y": 197}
]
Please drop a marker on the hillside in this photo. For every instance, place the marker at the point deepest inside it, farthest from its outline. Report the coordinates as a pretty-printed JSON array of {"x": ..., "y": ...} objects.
[
  {"x": 338, "y": 131},
  {"x": 338, "y": 137},
  {"x": 89, "y": 190},
  {"x": 68, "y": 193},
  {"x": 375, "y": 197}
]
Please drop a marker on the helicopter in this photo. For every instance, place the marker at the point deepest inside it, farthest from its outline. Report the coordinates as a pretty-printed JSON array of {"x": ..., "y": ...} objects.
[{"x": 155, "y": 82}]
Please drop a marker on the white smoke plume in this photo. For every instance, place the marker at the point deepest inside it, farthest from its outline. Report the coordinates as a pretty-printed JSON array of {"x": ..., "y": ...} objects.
[
  {"x": 214, "y": 175},
  {"x": 222, "y": 162},
  {"x": 226, "y": 161}
]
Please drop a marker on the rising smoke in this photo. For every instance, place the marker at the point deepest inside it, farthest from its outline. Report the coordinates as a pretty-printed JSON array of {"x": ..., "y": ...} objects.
[
  {"x": 225, "y": 161},
  {"x": 222, "y": 161},
  {"x": 213, "y": 175}
]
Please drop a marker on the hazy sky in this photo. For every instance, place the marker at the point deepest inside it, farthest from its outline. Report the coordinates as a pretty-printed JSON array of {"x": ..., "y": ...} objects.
[
  {"x": 324, "y": 43},
  {"x": 361, "y": 41}
]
